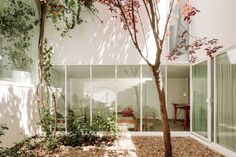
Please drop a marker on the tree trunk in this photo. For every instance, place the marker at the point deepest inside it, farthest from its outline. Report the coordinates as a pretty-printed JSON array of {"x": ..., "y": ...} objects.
[
  {"x": 164, "y": 116},
  {"x": 42, "y": 15},
  {"x": 55, "y": 114}
]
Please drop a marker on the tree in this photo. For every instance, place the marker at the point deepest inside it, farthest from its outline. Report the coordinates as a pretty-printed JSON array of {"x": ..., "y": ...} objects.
[
  {"x": 129, "y": 14},
  {"x": 61, "y": 12}
]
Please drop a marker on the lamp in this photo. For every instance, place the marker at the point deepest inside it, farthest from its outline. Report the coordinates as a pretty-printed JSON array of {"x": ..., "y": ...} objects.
[{"x": 184, "y": 95}]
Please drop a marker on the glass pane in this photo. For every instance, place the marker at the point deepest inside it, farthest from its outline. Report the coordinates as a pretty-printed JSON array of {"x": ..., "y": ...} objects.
[
  {"x": 128, "y": 97},
  {"x": 18, "y": 57},
  {"x": 199, "y": 75},
  {"x": 226, "y": 100},
  {"x": 79, "y": 91},
  {"x": 104, "y": 89},
  {"x": 178, "y": 97},
  {"x": 151, "y": 104},
  {"x": 177, "y": 26},
  {"x": 58, "y": 87}
]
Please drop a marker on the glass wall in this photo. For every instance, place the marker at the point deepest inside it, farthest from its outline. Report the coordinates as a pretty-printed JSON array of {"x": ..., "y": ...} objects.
[
  {"x": 79, "y": 91},
  {"x": 58, "y": 87},
  {"x": 104, "y": 89},
  {"x": 177, "y": 26},
  {"x": 128, "y": 90},
  {"x": 199, "y": 81},
  {"x": 150, "y": 101},
  {"x": 18, "y": 57},
  {"x": 226, "y": 99},
  {"x": 128, "y": 96},
  {"x": 178, "y": 97}
]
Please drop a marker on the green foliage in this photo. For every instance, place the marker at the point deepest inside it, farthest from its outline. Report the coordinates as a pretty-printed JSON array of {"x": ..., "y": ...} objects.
[
  {"x": 47, "y": 121},
  {"x": 105, "y": 122},
  {"x": 47, "y": 56},
  {"x": 68, "y": 12},
  {"x": 16, "y": 151},
  {"x": 72, "y": 124},
  {"x": 16, "y": 25},
  {"x": 51, "y": 143}
]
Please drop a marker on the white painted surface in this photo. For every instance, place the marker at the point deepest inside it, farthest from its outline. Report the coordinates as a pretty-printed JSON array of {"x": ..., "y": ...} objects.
[
  {"x": 216, "y": 20},
  {"x": 176, "y": 88},
  {"x": 18, "y": 111},
  {"x": 101, "y": 43}
]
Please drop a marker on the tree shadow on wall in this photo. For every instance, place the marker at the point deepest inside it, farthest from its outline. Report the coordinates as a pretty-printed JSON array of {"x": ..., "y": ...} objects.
[
  {"x": 19, "y": 112},
  {"x": 94, "y": 42}
]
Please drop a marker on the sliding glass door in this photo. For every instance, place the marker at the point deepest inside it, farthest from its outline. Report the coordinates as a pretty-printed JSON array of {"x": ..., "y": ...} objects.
[
  {"x": 199, "y": 98},
  {"x": 225, "y": 92}
]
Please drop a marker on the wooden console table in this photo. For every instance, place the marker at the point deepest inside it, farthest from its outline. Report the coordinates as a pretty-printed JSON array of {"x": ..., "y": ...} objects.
[{"x": 186, "y": 108}]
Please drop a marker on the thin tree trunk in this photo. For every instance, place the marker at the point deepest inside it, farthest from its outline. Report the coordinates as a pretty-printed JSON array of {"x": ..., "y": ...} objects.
[
  {"x": 55, "y": 113},
  {"x": 42, "y": 15},
  {"x": 164, "y": 116}
]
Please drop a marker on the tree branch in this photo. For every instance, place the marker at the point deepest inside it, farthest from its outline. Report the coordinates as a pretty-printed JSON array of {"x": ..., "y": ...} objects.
[{"x": 130, "y": 32}]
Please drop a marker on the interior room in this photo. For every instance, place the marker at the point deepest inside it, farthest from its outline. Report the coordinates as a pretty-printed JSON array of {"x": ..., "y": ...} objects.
[{"x": 128, "y": 91}]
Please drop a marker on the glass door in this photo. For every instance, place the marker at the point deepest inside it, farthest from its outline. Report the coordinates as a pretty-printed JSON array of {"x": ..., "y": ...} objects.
[
  {"x": 225, "y": 100},
  {"x": 200, "y": 99}
]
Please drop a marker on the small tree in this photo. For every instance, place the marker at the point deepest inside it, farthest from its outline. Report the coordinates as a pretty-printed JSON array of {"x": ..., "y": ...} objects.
[
  {"x": 61, "y": 12},
  {"x": 129, "y": 14}
]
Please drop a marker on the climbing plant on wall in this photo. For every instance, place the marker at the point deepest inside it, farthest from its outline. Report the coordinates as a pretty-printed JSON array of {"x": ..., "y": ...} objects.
[{"x": 17, "y": 20}]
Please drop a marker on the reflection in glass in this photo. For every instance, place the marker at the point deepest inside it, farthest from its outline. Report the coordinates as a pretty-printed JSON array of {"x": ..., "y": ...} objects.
[
  {"x": 58, "y": 88},
  {"x": 151, "y": 103},
  {"x": 225, "y": 99},
  {"x": 79, "y": 91},
  {"x": 128, "y": 97},
  {"x": 104, "y": 89},
  {"x": 199, "y": 117}
]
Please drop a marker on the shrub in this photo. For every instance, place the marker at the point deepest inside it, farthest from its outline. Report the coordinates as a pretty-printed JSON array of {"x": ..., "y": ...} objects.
[
  {"x": 47, "y": 121},
  {"x": 51, "y": 143},
  {"x": 105, "y": 122},
  {"x": 72, "y": 124}
]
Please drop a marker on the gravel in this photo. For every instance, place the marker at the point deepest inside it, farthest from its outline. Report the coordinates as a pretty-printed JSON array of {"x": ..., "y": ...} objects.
[{"x": 140, "y": 146}]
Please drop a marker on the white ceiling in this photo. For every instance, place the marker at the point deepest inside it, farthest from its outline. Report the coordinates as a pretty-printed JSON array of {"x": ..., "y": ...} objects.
[{"x": 177, "y": 71}]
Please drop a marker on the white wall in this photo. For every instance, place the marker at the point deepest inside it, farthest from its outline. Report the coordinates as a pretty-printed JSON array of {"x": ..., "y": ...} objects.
[
  {"x": 94, "y": 42},
  {"x": 175, "y": 89},
  {"x": 216, "y": 20},
  {"x": 18, "y": 111}
]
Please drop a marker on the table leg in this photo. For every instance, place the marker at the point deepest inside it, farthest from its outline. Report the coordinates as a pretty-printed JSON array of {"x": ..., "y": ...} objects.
[
  {"x": 186, "y": 117},
  {"x": 175, "y": 111}
]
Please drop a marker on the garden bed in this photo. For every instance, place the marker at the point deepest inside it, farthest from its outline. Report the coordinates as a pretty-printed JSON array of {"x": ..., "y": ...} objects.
[{"x": 141, "y": 147}]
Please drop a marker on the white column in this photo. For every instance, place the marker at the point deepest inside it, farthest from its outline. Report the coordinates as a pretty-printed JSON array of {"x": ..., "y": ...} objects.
[
  {"x": 141, "y": 98},
  {"x": 65, "y": 68}
]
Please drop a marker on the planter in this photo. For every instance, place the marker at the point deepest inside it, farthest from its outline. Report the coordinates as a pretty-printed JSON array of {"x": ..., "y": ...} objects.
[{"x": 21, "y": 76}]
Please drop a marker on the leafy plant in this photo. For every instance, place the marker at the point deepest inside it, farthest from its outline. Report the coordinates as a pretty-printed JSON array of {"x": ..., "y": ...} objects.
[
  {"x": 72, "y": 124},
  {"x": 51, "y": 143},
  {"x": 16, "y": 25},
  {"x": 105, "y": 122},
  {"x": 47, "y": 56},
  {"x": 47, "y": 121},
  {"x": 68, "y": 11}
]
